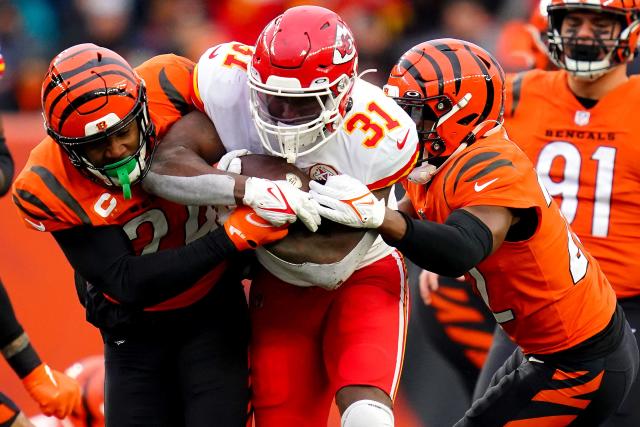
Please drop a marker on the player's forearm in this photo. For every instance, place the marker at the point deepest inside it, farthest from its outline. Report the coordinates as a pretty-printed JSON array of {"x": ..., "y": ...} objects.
[
  {"x": 103, "y": 256},
  {"x": 449, "y": 249},
  {"x": 14, "y": 343},
  {"x": 201, "y": 190}
]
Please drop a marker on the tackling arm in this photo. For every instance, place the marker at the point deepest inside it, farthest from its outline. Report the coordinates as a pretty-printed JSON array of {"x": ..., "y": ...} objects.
[
  {"x": 468, "y": 236},
  {"x": 183, "y": 173},
  {"x": 182, "y": 168}
]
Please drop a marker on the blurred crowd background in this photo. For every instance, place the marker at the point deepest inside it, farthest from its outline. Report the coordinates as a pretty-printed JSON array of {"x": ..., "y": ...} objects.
[{"x": 33, "y": 31}]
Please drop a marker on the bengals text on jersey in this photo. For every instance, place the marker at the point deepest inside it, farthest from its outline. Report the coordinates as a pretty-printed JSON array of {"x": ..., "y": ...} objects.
[{"x": 586, "y": 159}]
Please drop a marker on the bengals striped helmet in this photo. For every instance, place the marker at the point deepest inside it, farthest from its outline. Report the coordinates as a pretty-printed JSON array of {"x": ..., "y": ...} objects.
[
  {"x": 452, "y": 89},
  {"x": 591, "y": 57},
  {"x": 88, "y": 94}
]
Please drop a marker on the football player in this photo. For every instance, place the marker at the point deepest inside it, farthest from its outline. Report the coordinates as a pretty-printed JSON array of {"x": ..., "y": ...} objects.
[
  {"x": 476, "y": 206},
  {"x": 155, "y": 277},
  {"x": 582, "y": 141},
  {"x": 454, "y": 318},
  {"x": 318, "y": 332}
]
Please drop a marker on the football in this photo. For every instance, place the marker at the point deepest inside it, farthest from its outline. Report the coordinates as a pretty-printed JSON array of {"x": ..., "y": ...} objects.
[{"x": 331, "y": 243}]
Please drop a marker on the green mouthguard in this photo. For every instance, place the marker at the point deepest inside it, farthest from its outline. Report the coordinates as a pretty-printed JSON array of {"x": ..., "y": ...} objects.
[{"x": 121, "y": 170}]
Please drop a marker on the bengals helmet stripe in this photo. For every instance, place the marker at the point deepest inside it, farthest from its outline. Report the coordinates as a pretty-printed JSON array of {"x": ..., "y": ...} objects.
[
  {"x": 59, "y": 78},
  {"x": 455, "y": 64},
  {"x": 173, "y": 94},
  {"x": 489, "y": 85},
  {"x": 86, "y": 98},
  {"x": 56, "y": 188},
  {"x": 408, "y": 66},
  {"x": 64, "y": 93}
]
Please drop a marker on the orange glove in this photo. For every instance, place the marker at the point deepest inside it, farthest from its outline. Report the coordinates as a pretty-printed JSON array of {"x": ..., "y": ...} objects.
[
  {"x": 247, "y": 230},
  {"x": 56, "y": 393}
]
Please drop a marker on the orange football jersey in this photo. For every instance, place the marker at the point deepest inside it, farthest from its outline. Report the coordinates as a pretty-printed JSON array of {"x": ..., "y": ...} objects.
[
  {"x": 547, "y": 292},
  {"x": 51, "y": 194},
  {"x": 587, "y": 160}
]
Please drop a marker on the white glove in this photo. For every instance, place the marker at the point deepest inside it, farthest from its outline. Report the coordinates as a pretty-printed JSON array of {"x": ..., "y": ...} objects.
[
  {"x": 231, "y": 161},
  {"x": 347, "y": 201},
  {"x": 280, "y": 202}
]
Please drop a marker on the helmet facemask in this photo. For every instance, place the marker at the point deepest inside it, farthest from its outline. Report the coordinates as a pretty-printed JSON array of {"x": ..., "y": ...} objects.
[
  {"x": 590, "y": 57},
  {"x": 125, "y": 172},
  {"x": 292, "y": 121}
]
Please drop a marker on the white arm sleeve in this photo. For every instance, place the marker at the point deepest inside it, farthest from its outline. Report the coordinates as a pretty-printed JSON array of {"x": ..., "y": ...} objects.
[{"x": 201, "y": 190}]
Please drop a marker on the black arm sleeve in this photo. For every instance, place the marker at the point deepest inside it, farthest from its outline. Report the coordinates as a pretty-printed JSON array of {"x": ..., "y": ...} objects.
[
  {"x": 449, "y": 249},
  {"x": 6, "y": 167},
  {"x": 104, "y": 256},
  {"x": 10, "y": 329},
  {"x": 22, "y": 357}
]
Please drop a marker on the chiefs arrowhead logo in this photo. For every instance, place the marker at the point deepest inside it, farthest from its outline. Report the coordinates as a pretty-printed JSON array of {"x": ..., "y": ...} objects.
[{"x": 345, "y": 48}]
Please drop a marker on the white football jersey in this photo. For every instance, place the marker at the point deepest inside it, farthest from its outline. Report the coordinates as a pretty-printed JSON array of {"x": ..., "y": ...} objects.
[{"x": 377, "y": 142}]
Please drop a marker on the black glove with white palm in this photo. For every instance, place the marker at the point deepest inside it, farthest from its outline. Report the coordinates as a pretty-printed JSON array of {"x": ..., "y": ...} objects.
[
  {"x": 345, "y": 200},
  {"x": 279, "y": 202}
]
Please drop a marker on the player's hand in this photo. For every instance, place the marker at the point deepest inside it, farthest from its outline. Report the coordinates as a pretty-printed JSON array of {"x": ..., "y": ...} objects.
[
  {"x": 232, "y": 162},
  {"x": 247, "y": 230},
  {"x": 347, "y": 201},
  {"x": 279, "y": 202},
  {"x": 56, "y": 393}
]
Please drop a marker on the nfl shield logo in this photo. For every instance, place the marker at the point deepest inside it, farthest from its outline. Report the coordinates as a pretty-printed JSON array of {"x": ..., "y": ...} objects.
[{"x": 582, "y": 118}]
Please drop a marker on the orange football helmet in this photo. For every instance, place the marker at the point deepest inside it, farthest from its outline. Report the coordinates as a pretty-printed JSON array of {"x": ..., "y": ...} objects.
[
  {"x": 88, "y": 94},
  {"x": 453, "y": 90},
  {"x": 301, "y": 77},
  {"x": 89, "y": 372},
  {"x": 591, "y": 57}
]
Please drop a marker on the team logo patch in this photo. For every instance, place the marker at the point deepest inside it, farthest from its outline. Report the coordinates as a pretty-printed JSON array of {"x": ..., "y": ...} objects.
[
  {"x": 345, "y": 48},
  {"x": 582, "y": 118},
  {"x": 321, "y": 172}
]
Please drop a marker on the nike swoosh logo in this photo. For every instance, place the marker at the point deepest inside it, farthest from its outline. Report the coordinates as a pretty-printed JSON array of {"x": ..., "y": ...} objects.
[
  {"x": 254, "y": 219},
  {"x": 38, "y": 226},
  {"x": 480, "y": 187},
  {"x": 404, "y": 141},
  {"x": 282, "y": 199}
]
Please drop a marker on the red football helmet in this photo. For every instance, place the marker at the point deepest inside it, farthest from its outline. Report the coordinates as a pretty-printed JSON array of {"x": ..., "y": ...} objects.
[
  {"x": 88, "y": 94},
  {"x": 453, "y": 90},
  {"x": 301, "y": 76},
  {"x": 594, "y": 56},
  {"x": 89, "y": 373}
]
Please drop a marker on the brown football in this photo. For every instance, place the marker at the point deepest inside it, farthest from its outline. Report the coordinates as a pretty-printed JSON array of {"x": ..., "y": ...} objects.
[{"x": 329, "y": 244}]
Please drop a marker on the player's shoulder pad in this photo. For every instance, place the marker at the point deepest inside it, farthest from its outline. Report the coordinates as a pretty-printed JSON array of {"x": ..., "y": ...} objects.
[
  {"x": 385, "y": 136},
  {"x": 43, "y": 194},
  {"x": 168, "y": 77},
  {"x": 519, "y": 85},
  {"x": 493, "y": 168},
  {"x": 221, "y": 73}
]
